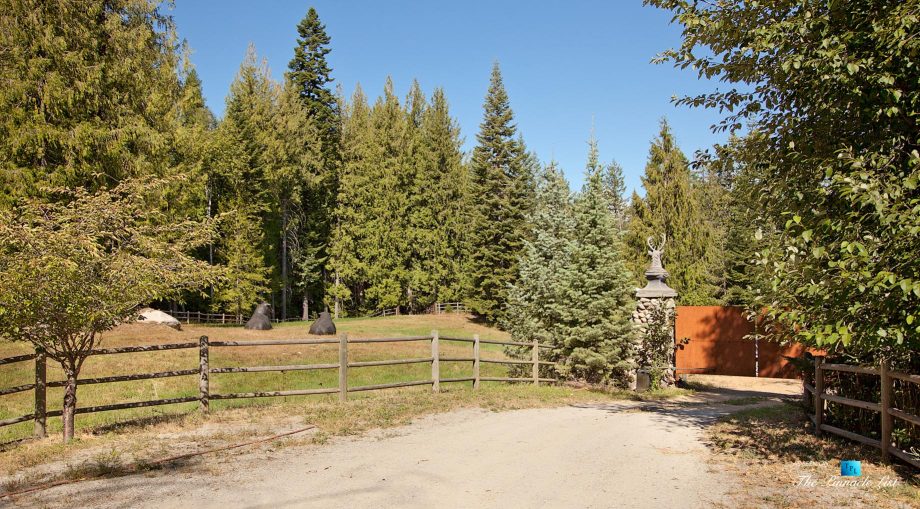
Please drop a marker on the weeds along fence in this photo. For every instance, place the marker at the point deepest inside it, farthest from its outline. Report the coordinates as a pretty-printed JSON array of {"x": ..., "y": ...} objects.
[
  {"x": 886, "y": 424},
  {"x": 205, "y": 370}
]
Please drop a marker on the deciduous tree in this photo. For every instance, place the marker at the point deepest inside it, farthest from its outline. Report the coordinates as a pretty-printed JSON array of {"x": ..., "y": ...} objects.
[{"x": 72, "y": 271}]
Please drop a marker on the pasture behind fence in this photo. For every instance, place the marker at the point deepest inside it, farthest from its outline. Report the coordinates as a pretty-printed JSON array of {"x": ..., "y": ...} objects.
[
  {"x": 201, "y": 317},
  {"x": 205, "y": 370},
  {"x": 819, "y": 398}
]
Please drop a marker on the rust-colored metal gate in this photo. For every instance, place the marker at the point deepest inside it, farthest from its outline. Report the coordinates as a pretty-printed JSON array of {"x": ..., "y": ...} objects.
[{"x": 718, "y": 346}]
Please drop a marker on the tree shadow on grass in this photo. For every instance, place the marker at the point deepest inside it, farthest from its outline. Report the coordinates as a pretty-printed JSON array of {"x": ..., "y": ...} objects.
[
  {"x": 134, "y": 423},
  {"x": 783, "y": 433}
]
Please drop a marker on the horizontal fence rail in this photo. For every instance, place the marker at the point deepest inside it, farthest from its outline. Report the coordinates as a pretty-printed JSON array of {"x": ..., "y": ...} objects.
[
  {"x": 820, "y": 398},
  {"x": 205, "y": 370}
]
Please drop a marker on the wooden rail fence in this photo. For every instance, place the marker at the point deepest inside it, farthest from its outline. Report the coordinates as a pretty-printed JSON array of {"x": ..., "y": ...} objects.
[
  {"x": 204, "y": 370},
  {"x": 188, "y": 317},
  {"x": 820, "y": 398}
]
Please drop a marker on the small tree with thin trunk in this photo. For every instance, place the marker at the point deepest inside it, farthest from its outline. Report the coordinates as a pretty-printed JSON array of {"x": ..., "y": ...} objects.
[{"x": 80, "y": 266}]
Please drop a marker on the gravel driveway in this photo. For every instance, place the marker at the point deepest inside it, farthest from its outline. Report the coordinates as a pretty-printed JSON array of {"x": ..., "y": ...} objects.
[{"x": 607, "y": 455}]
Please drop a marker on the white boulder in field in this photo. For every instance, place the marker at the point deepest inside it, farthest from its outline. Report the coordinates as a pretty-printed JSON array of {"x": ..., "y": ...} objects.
[{"x": 150, "y": 315}]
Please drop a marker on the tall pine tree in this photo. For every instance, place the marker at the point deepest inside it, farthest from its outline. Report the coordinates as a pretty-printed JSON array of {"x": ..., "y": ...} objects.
[
  {"x": 242, "y": 189},
  {"x": 292, "y": 164},
  {"x": 385, "y": 249},
  {"x": 672, "y": 206},
  {"x": 311, "y": 77},
  {"x": 612, "y": 182},
  {"x": 352, "y": 213},
  {"x": 438, "y": 198},
  {"x": 501, "y": 196}
]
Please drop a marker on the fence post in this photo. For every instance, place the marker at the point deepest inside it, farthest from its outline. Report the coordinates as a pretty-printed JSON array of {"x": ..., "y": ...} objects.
[
  {"x": 819, "y": 395},
  {"x": 435, "y": 363},
  {"x": 535, "y": 356},
  {"x": 343, "y": 367},
  {"x": 886, "y": 415},
  {"x": 204, "y": 371},
  {"x": 475, "y": 361},
  {"x": 40, "y": 430}
]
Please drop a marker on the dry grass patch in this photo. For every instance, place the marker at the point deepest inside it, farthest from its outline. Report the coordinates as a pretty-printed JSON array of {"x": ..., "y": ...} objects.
[{"x": 778, "y": 462}]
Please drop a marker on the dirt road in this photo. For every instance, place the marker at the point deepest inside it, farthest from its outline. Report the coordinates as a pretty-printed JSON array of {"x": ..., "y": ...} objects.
[{"x": 611, "y": 455}]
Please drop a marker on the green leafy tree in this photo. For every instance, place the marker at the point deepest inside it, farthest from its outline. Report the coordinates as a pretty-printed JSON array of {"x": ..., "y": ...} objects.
[
  {"x": 88, "y": 94},
  {"x": 502, "y": 197},
  {"x": 72, "y": 271},
  {"x": 672, "y": 206},
  {"x": 829, "y": 89}
]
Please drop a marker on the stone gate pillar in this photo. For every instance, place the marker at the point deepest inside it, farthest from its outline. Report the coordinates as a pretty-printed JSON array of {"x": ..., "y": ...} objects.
[{"x": 655, "y": 296}]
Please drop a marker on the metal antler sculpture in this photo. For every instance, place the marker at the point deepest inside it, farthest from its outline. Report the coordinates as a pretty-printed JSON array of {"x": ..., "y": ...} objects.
[
  {"x": 655, "y": 252},
  {"x": 656, "y": 273}
]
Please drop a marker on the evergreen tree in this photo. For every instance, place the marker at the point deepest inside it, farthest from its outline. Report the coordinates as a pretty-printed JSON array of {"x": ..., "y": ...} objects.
[
  {"x": 311, "y": 77},
  {"x": 242, "y": 190},
  {"x": 436, "y": 203},
  {"x": 672, "y": 206},
  {"x": 246, "y": 280},
  {"x": 595, "y": 339},
  {"x": 536, "y": 302},
  {"x": 292, "y": 164},
  {"x": 386, "y": 249},
  {"x": 612, "y": 181},
  {"x": 352, "y": 212},
  {"x": 190, "y": 142},
  {"x": 501, "y": 195},
  {"x": 73, "y": 74}
]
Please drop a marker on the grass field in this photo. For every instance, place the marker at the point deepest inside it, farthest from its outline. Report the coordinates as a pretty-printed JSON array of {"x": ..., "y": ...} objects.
[{"x": 137, "y": 334}]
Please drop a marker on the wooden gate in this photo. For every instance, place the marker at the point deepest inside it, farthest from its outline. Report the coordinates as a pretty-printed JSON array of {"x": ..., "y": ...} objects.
[{"x": 717, "y": 345}]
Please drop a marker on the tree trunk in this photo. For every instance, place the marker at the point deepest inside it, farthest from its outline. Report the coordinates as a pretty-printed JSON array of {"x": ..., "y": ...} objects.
[
  {"x": 210, "y": 242},
  {"x": 337, "y": 299},
  {"x": 284, "y": 263},
  {"x": 70, "y": 401},
  {"x": 306, "y": 308}
]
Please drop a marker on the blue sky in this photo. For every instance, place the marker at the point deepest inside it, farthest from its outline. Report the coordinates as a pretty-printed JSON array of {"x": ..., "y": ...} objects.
[{"x": 564, "y": 64}]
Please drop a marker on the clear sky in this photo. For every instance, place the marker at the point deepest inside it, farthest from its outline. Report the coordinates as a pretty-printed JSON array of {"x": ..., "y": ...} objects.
[{"x": 564, "y": 64}]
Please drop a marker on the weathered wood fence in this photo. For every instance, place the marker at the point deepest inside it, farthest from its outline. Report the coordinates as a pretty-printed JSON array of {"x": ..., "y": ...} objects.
[
  {"x": 819, "y": 398},
  {"x": 189, "y": 317},
  {"x": 439, "y": 308},
  {"x": 205, "y": 369}
]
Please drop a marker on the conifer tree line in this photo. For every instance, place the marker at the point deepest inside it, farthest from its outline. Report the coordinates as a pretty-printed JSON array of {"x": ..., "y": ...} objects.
[{"x": 352, "y": 204}]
